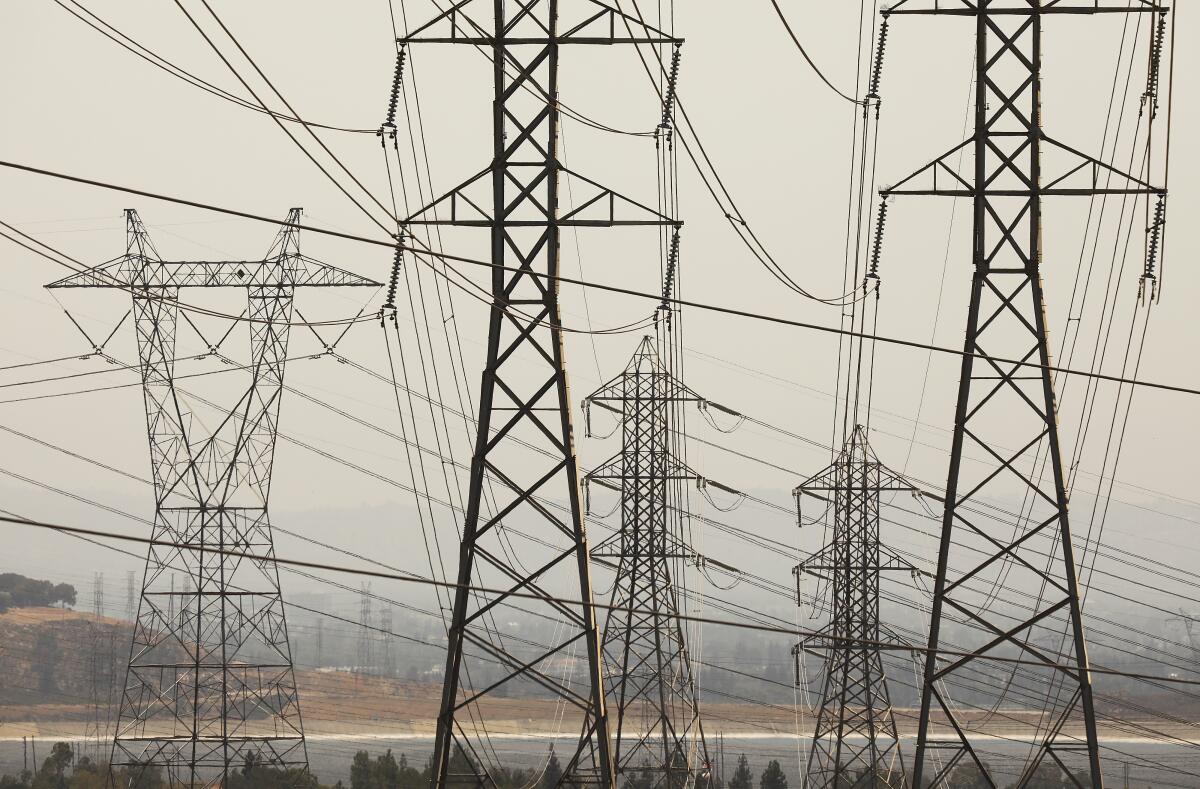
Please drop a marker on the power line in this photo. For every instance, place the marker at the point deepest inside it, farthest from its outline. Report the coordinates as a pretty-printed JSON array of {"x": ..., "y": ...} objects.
[
  {"x": 804, "y": 53},
  {"x": 158, "y": 61},
  {"x": 74, "y": 530},
  {"x": 305, "y": 574},
  {"x": 740, "y": 534},
  {"x": 657, "y": 297},
  {"x": 733, "y": 531}
]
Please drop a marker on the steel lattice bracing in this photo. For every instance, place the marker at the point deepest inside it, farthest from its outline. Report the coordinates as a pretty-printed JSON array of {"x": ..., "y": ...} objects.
[
  {"x": 855, "y": 744},
  {"x": 1006, "y": 417},
  {"x": 647, "y": 669},
  {"x": 210, "y": 683},
  {"x": 524, "y": 398}
]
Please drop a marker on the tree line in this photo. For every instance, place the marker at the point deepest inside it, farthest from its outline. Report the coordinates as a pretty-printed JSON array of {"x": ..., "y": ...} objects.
[
  {"x": 17, "y": 591},
  {"x": 63, "y": 770}
]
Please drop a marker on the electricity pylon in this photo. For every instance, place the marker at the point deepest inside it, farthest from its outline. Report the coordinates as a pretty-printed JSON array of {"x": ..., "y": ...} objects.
[
  {"x": 1191, "y": 630},
  {"x": 213, "y": 686},
  {"x": 524, "y": 399},
  {"x": 648, "y": 671},
  {"x": 387, "y": 660},
  {"x": 366, "y": 639},
  {"x": 100, "y": 663},
  {"x": 856, "y": 743},
  {"x": 130, "y": 595},
  {"x": 1006, "y": 408}
]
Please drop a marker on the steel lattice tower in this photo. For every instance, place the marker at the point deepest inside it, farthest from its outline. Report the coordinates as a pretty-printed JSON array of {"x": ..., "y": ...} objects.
[
  {"x": 366, "y": 638},
  {"x": 856, "y": 743},
  {"x": 648, "y": 671},
  {"x": 524, "y": 395},
  {"x": 212, "y": 686},
  {"x": 1006, "y": 412}
]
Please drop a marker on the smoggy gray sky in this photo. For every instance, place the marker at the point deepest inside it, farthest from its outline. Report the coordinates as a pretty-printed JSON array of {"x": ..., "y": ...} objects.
[{"x": 77, "y": 103}]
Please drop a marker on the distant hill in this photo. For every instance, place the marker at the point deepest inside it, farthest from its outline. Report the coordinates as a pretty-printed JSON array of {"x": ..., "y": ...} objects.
[{"x": 57, "y": 656}]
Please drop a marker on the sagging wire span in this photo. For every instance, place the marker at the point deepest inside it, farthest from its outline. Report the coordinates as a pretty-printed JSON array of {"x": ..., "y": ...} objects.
[
  {"x": 701, "y": 563},
  {"x": 703, "y": 484},
  {"x": 587, "y": 422},
  {"x": 586, "y": 485},
  {"x": 1150, "y": 97},
  {"x": 703, "y": 407},
  {"x": 388, "y": 127},
  {"x": 1155, "y": 233},
  {"x": 798, "y": 494},
  {"x": 814, "y": 604}
]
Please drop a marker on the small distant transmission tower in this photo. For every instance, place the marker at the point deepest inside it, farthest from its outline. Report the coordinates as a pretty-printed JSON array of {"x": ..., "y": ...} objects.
[
  {"x": 524, "y": 402},
  {"x": 99, "y": 662},
  {"x": 388, "y": 659},
  {"x": 130, "y": 595},
  {"x": 214, "y": 686},
  {"x": 365, "y": 637},
  {"x": 185, "y": 610},
  {"x": 320, "y": 643},
  {"x": 1006, "y": 411},
  {"x": 649, "y": 674},
  {"x": 1191, "y": 627},
  {"x": 98, "y": 595},
  {"x": 856, "y": 743}
]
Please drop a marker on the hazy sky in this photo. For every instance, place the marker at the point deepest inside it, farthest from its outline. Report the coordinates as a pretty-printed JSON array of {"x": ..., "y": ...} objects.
[{"x": 77, "y": 103}]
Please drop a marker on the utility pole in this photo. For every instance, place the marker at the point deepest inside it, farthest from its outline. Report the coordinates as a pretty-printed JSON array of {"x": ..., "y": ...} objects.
[
  {"x": 649, "y": 673},
  {"x": 856, "y": 742},
  {"x": 1006, "y": 411},
  {"x": 221, "y": 673},
  {"x": 524, "y": 398}
]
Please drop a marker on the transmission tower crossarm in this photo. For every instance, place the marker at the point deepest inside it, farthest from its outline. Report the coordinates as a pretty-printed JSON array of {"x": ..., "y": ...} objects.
[
  {"x": 1018, "y": 7},
  {"x": 615, "y": 393},
  {"x": 821, "y": 563},
  {"x": 597, "y": 26},
  {"x": 1080, "y": 176},
  {"x": 301, "y": 272},
  {"x": 596, "y": 205}
]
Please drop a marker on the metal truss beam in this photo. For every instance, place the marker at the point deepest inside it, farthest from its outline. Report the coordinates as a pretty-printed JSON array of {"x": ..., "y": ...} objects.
[
  {"x": 524, "y": 399},
  {"x": 210, "y": 685},
  {"x": 1002, "y": 405}
]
